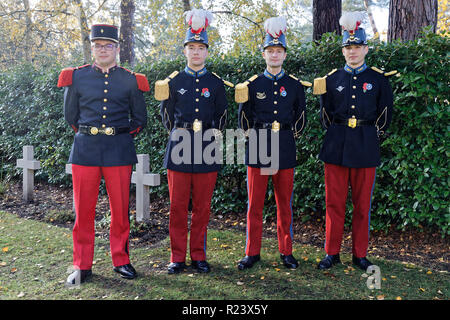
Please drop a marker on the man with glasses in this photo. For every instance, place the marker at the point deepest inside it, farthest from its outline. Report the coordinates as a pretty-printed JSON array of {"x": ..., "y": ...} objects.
[
  {"x": 193, "y": 104},
  {"x": 104, "y": 104}
]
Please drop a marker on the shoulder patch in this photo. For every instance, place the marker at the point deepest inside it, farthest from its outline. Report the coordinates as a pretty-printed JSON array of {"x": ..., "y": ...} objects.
[
  {"x": 224, "y": 81},
  {"x": 66, "y": 75},
  {"x": 142, "y": 82}
]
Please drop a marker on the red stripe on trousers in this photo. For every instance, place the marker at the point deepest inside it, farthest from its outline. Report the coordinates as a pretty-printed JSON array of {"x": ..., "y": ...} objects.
[
  {"x": 181, "y": 185},
  {"x": 337, "y": 180},
  {"x": 86, "y": 182},
  {"x": 283, "y": 183}
]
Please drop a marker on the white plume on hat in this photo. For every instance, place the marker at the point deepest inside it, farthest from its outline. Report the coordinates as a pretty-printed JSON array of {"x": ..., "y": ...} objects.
[
  {"x": 275, "y": 26},
  {"x": 351, "y": 20},
  {"x": 198, "y": 19}
]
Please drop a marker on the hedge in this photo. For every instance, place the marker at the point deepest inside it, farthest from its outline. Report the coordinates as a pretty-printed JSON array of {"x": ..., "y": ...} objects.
[{"x": 412, "y": 188}]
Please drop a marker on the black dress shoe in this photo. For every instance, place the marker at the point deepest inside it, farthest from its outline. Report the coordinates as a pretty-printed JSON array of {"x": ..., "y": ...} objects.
[
  {"x": 78, "y": 276},
  {"x": 176, "y": 267},
  {"x": 201, "y": 266},
  {"x": 248, "y": 262},
  {"x": 289, "y": 261},
  {"x": 126, "y": 271},
  {"x": 363, "y": 263},
  {"x": 329, "y": 261}
]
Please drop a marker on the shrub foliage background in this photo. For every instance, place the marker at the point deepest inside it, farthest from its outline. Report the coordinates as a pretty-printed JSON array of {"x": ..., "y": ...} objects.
[{"x": 412, "y": 186}]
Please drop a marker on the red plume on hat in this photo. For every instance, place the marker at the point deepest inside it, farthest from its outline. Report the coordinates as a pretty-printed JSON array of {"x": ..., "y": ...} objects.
[{"x": 198, "y": 19}]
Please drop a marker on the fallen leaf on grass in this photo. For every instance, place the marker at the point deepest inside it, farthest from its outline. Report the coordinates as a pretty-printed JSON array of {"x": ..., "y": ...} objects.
[
  {"x": 398, "y": 298},
  {"x": 5, "y": 249},
  {"x": 239, "y": 283},
  {"x": 20, "y": 295},
  {"x": 380, "y": 297}
]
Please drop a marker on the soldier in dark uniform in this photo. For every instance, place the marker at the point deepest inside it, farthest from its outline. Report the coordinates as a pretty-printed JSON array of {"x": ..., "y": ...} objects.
[
  {"x": 356, "y": 109},
  {"x": 272, "y": 109},
  {"x": 193, "y": 105},
  {"x": 104, "y": 104}
]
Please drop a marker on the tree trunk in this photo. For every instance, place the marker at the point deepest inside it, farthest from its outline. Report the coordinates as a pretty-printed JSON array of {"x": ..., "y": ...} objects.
[
  {"x": 84, "y": 31},
  {"x": 326, "y": 14},
  {"x": 186, "y": 5},
  {"x": 127, "y": 9},
  {"x": 28, "y": 45},
  {"x": 372, "y": 20},
  {"x": 408, "y": 17}
]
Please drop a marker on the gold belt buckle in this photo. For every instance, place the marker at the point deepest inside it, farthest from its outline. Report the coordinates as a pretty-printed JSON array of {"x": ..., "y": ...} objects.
[
  {"x": 276, "y": 126},
  {"x": 93, "y": 131},
  {"x": 109, "y": 131},
  {"x": 197, "y": 125},
  {"x": 352, "y": 122}
]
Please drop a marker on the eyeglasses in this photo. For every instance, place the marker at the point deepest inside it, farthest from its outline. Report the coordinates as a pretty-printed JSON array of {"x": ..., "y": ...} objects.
[{"x": 107, "y": 47}]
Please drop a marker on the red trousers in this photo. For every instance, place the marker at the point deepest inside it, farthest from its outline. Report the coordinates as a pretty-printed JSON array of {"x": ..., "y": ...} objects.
[
  {"x": 362, "y": 182},
  {"x": 283, "y": 183},
  {"x": 86, "y": 182},
  {"x": 181, "y": 185}
]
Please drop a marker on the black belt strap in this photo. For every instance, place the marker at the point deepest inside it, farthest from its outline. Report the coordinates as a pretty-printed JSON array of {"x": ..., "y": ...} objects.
[{"x": 359, "y": 122}]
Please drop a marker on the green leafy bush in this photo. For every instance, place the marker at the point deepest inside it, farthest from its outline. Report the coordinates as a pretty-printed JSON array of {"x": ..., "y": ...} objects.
[{"x": 412, "y": 182}]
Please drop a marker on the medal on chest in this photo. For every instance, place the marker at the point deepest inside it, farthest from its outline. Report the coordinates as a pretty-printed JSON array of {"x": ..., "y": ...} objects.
[
  {"x": 283, "y": 92},
  {"x": 367, "y": 86},
  {"x": 205, "y": 92}
]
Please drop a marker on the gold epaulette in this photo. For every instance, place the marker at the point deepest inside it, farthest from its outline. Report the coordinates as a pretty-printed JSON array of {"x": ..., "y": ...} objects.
[
  {"x": 331, "y": 72},
  {"x": 228, "y": 83},
  {"x": 386, "y": 74},
  {"x": 391, "y": 73},
  {"x": 162, "y": 90},
  {"x": 320, "y": 84},
  {"x": 241, "y": 91},
  {"x": 306, "y": 83},
  {"x": 377, "y": 70}
]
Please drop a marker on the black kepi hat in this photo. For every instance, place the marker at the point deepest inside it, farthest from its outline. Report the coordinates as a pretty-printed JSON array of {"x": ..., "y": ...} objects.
[{"x": 104, "y": 32}]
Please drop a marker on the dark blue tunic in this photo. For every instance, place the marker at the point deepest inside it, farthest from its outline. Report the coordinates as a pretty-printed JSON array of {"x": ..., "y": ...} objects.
[
  {"x": 194, "y": 96},
  {"x": 99, "y": 99},
  {"x": 272, "y": 98},
  {"x": 365, "y": 94}
]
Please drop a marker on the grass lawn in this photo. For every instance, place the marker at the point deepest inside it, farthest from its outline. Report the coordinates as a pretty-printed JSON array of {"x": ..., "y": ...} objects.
[{"x": 35, "y": 257}]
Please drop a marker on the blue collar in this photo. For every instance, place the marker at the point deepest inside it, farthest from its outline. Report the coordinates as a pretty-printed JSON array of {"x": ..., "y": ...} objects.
[
  {"x": 270, "y": 76},
  {"x": 194, "y": 74},
  {"x": 355, "y": 71}
]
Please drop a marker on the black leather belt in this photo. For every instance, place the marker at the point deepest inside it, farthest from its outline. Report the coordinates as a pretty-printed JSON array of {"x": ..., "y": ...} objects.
[
  {"x": 272, "y": 125},
  {"x": 353, "y": 122},
  {"x": 109, "y": 131}
]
